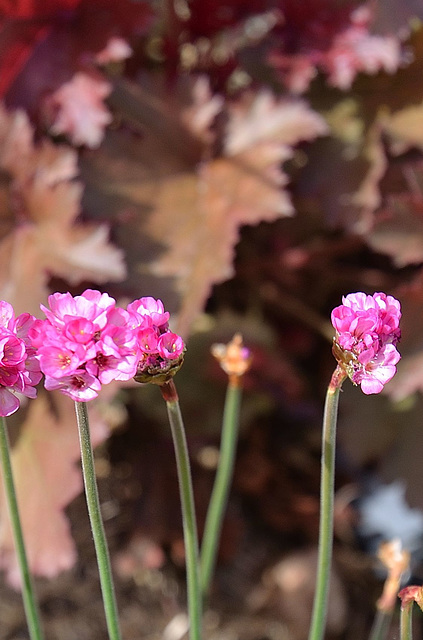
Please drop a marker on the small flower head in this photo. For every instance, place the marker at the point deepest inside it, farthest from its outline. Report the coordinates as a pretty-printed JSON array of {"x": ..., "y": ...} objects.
[
  {"x": 234, "y": 358},
  {"x": 367, "y": 331},
  {"x": 411, "y": 594},
  {"x": 84, "y": 342},
  {"x": 19, "y": 369},
  {"x": 161, "y": 351}
]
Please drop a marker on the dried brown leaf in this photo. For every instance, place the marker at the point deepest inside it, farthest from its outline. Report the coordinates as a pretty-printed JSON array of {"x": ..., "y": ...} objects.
[
  {"x": 399, "y": 231},
  {"x": 196, "y": 213},
  {"x": 405, "y": 128},
  {"x": 198, "y": 218},
  {"x": 46, "y": 197}
]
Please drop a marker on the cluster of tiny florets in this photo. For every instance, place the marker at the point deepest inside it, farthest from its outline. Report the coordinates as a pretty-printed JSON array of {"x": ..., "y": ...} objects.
[
  {"x": 19, "y": 368},
  {"x": 161, "y": 351},
  {"x": 87, "y": 341},
  {"x": 367, "y": 331}
]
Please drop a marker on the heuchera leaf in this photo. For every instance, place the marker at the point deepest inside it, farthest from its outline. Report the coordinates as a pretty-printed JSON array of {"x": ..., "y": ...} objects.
[
  {"x": 47, "y": 477},
  {"x": 43, "y": 42},
  {"x": 405, "y": 128},
  {"x": 399, "y": 232},
  {"x": 46, "y": 197},
  {"x": 409, "y": 377},
  {"x": 195, "y": 213}
]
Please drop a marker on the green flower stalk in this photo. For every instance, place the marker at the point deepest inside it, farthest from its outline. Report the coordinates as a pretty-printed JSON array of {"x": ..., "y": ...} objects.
[
  {"x": 235, "y": 361},
  {"x": 30, "y": 604},
  {"x": 327, "y": 485},
  {"x": 170, "y": 396},
  {"x": 97, "y": 528},
  {"x": 406, "y": 621},
  {"x": 408, "y": 596},
  {"x": 366, "y": 333}
]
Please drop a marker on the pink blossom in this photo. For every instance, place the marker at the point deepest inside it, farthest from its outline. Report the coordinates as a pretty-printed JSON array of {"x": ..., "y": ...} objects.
[
  {"x": 79, "y": 110},
  {"x": 84, "y": 342},
  {"x": 170, "y": 345},
  {"x": 150, "y": 308},
  {"x": 80, "y": 385},
  {"x": 367, "y": 330},
  {"x": 19, "y": 369},
  {"x": 162, "y": 351}
]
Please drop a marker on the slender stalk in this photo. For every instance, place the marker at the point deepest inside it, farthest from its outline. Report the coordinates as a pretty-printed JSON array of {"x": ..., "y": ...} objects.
[
  {"x": 219, "y": 497},
  {"x": 188, "y": 508},
  {"x": 327, "y": 486},
  {"x": 93, "y": 503},
  {"x": 380, "y": 625},
  {"x": 406, "y": 631},
  {"x": 30, "y": 605}
]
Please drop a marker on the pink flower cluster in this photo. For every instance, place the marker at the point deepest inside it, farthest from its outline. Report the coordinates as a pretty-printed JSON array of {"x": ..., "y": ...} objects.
[
  {"x": 86, "y": 341},
  {"x": 367, "y": 330},
  {"x": 19, "y": 368}
]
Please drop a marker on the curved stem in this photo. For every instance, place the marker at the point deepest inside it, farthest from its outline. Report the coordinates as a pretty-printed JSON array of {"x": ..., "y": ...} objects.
[
  {"x": 219, "y": 497},
  {"x": 93, "y": 504},
  {"x": 188, "y": 509},
  {"x": 31, "y": 609},
  {"x": 327, "y": 487}
]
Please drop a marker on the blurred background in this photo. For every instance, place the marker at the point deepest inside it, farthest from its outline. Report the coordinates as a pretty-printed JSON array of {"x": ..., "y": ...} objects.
[{"x": 248, "y": 162}]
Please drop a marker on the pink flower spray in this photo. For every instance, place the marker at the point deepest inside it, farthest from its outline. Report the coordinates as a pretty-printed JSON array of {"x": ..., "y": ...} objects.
[
  {"x": 19, "y": 369},
  {"x": 86, "y": 341},
  {"x": 367, "y": 331}
]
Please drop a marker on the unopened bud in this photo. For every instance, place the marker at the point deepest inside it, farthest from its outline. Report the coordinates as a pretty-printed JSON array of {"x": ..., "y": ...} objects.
[{"x": 234, "y": 358}]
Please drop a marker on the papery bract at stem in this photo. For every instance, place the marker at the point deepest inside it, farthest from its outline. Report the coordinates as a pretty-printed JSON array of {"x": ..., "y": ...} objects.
[{"x": 367, "y": 331}]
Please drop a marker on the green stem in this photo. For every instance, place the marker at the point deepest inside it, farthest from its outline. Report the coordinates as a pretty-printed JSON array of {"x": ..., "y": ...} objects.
[
  {"x": 327, "y": 487},
  {"x": 93, "y": 503},
  {"x": 31, "y": 609},
  {"x": 188, "y": 509},
  {"x": 219, "y": 497},
  {"x": 406, "y": 621},
  {"x": 380, "y": 625}
]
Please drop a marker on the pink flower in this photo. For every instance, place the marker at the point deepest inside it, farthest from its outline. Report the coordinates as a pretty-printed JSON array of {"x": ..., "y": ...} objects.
[
  {"x": 84, "y": 342},
  {"x": 19, "y": 369},
  {"x": 80, "y": 385},
  {"x": 170, "y": 345},
  {"x": 80, "y": 111},
  {"x": 367, "y": 330},
  {"x": 162, "y": 351},
  {"x": 150, "y": 308}
]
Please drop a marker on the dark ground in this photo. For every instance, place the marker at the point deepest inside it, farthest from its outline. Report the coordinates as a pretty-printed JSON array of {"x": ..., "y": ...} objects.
[{"x": 263, "y": 584}]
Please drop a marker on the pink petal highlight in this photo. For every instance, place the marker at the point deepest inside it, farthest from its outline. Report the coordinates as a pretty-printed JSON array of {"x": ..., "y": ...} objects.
[{"x": 367, "y": 330}]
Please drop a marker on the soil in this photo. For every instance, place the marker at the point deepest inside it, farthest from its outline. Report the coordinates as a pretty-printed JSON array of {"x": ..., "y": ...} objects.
[{"x": 263, "y": 582}]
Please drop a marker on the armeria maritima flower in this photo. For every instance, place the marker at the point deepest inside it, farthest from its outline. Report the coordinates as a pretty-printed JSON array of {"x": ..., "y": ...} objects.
[
  {"x": 367, "y": 330},
  {"x": 84, "y": 342},
  {"x": 162, "y": 351},
  {"x": 19, "y": 369}
]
